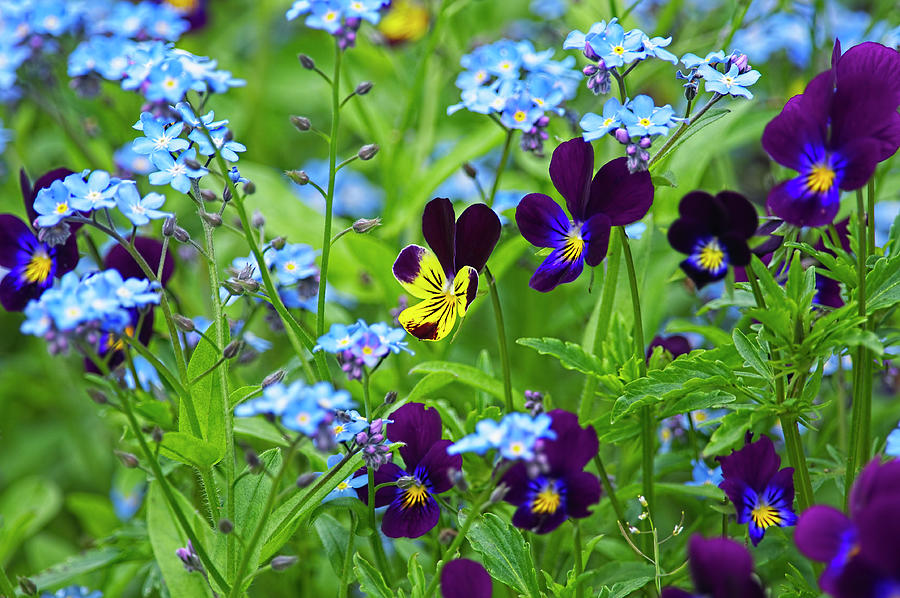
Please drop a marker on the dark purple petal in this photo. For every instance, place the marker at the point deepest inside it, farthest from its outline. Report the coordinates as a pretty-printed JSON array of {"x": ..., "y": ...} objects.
[
  {"x": 828, "y": 292},
  {"x": 464, "y": 578},
  {"x": 871, "y": 60},
  {"x": 787, "y": 136},
  {"x": 874, "y": 482},
  {"x": 676, "y": 345},
  {"x": 11, "y": 231},
  {"x": 477, "y": 233},
  {"x": 416, "y": 426},
  {"x": 700, "y": 276},
  {"x": 790, "y": 201},
  {"x": 573, "y": 447},
  {"x": 542, "y": 221},
  {"x": 721, "y": 568},
  {"x": 525, "y": 518},
  {"x": 705, "y": 211},
  {"x": 440, "y": 465},
  {"x": 755, "y": 464},
  {"x": 878, "y": 528},
  {"x": 412, "y": 522},
  {"x": 571, "y": 168},
  {"x": 557, "y": 269},
  {"x": 517, "y": 480},
  {"x": 741, "y": 215},
  {"x": 43, "y": 182},
  {"x": 820, "y": 532},
  {"x": 623, "y": 196},
  {"x": 439, "y": 230},
  {"x": 860, "y": 579},
  {"x": 389, "y": 472},
  {"x": 119, "y": 259},
  {"x": 860, "y": 160},
  {"x": 736, "y": 249},
  {"x": 15, "y": 297},
  {"x": 685, "y": 233},
  {"x": 582, "y": 490},
  {"x": 66, "y": 255},
  {"x": 595, "y": 233},
  {"x": 675, "y": 593}
]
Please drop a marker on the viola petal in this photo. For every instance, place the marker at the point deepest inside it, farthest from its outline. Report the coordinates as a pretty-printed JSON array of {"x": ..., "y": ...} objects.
[
  {"x": 419, "y": 272},
  {"x": 525, "y": 518},
  {"x": 430, "y": 320},
  {"x": 439, "y": 465},
  {"x": 582, "y": 490},
  {"x": 150, "y": 249},
  {"x": 820, "y": 532},
  {"x": 439, "y": 230},
  {"x": 465, "y": 287},
  {"x": 787, "y": 136},
  {"x": 389, "y": 472},
  {"x": 542, "y": 221},
  {"x": 625, "y": 197},
  {"x": 790, "y": 201},
  {"x": 464, "y": 578},
  {"x": 11, "y": 231},
  {"x": 571, "y": 168},
  {"x": 559, "y": 268},
  {"x": 412, "y": 522},
  {"x": 14, "y": 297},
  {"x": 595, "y": 233},
  {"x": 477, "y": 233},
  {"x": 419, "y": 428},
  {"x": 740, "y": 214}
]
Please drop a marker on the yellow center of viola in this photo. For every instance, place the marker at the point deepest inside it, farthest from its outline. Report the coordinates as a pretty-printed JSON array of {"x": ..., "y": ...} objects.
[
  {"x": 38, "y": 267},
  {"x": 711, "y": 256},
  {"x": 645, "y": 122},
  {"x": 764, "y": 515},
  {"x": 62, "y": 208},
  {"x": 820, "y": 179},
  {"x": 415, "y": 495},
  {"x": 618, "y": 50},
  {"x": 115, "y": 343},
  {"x": 519, "y": 116},
  {"x": 183, "y": 5},
  {"x": 574, "y": 246},
  {"x": 547, "y": 501}
]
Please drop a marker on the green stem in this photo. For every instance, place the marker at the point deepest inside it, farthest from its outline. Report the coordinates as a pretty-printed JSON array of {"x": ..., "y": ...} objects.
[
  {"x": 798, "y": 460},
  {"x": 620, "y": 81},
  {"x": 611, "y": 493},
  {"x": 456, "y": 543},
  {"x": 249, "y": 549},
  {"x": 607, "y": 302},
  {"x": 501, "y": 339},
  {"x": 502, "y": 166},
  {"x": 579, "y": 559},
  {"x": 375, "y": 537},
  {"x": 870, "y": 215},
  {"x": 348, "y": 556},
  {"x": 6, "y": 586},
  {"x": 329, "y": 200},
  {"x": 684, "y": 126}
]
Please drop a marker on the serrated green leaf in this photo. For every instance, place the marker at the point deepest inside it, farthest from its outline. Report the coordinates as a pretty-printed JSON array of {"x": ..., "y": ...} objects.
[
  {"x": 371, "y": 582},
  {"x": 731, "y": 431},
  {"x": 187, "y": 449},
  {"x": 883, "y": 284},
  {"x": 570, "y": 355},
  {"x": 504, "y": 553},
  {"x": 698, "y": 400},
  {"x": 206, "y": 394},
  {"x": 752, "y": 353},
  {"x": 416, "y": 577}
]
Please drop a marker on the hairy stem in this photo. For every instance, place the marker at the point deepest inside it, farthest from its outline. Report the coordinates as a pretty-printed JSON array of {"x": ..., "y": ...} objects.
[{"x": 501, "y": 339}]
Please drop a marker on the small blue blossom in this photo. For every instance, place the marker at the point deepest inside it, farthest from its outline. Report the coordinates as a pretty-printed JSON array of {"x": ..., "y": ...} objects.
[
  {"x": 175, "y": 172},
  {"x": 548, "y": 9},
  {"x": 347, "y": 425},
  {"x": 139, "y": 210},
  {"x": 53, "y": 204},
  {"x": 347, "y": 488},
  {"x": 704, "y": 475},
  {"x": 515, "y": 437},
  {"x": 731, "y": 83},
  {"x": 392, "y": 338},
  {"x": 158, "y": 137},
  {"x": 147, "y": 376},
  {"x": 691, "y": 60},
  {"x": 5, "y": 135},
  {"x": 326, "y": 397},
  {"x": 595, "y": 126},
  {"x": 368, "y": 348},
  {"x": 129, "y": 161},
  {"x": 168, "y": 81},
  {"x": 227, "y": 148},
  {"x": 74, "y": 592},
  {"x": 126, "y": 504},
  {"x": 97, "y": 192},
  {"x": 616, "y": 48},
  {"x": 339, "y": 338},
  {"x": 656, "y": 47},
  {"x": 303, "y": 414},
  {"x": 294, "y": 262},
  {"x": 893, "y": 443},
  {"x": 641, "y": 117}
]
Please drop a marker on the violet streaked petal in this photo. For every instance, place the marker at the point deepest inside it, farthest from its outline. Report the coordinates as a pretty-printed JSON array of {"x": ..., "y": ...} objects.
[
  {"x": 477, "y": 233},
  {"x": 860, "y": 158},
  {"x": 555, "y": 270},
  {"x": 623, "y": 196},
  {"x": 389, "y": 472},
  {"x": 416, "y": 426},
  {"x": 419, "y": 272},
  {"x": 571, "y": 168},
  {"x": 789, "y": 201},
  {"x": 410, "y": 522},
  {"x": 582, "y": 490},
  {"x": 440, "y": 465},
  {"x": 542, "y": 221},
  {"x": 11, "y": 231},
  {"x": 595, "y": 233},
  {"x": 788, "y": 134},
  {"x": 464, "y": 578},
  {"x": 755, "y": 464},
  {"x": 736, "y": 249},
  {"x": 878, "y": 528},
  {"x": 820, "y": 531},
  {"x": 439, "y": 230}
]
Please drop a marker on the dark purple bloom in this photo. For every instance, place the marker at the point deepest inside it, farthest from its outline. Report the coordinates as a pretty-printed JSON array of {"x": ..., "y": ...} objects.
[
  {"x": 835, "y": 133},
  {"x": 720, "y": 568},
  {"x": 464, "y": 578},
  {"x": 33, "y": 262},
  {"x": 861, "y": 551},
  {"x": 558, "y": 487},
  {"x": 713, "y": 232},
  {"x": 675, "y": 344},
  {"x": 762, "y": 494},
  {"x": 411, "y": 508},
  {"x": 615, "y": 197},
  {"x": 446, "y": 278}
]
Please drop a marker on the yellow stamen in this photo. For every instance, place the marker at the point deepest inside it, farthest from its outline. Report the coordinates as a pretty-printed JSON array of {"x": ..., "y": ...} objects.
[
  {"x": 618, "y": 50},
  {"x": 343, "y": 486},
  {"x": 519, "y": 116},
  {"x": 764, "y": 515},
  {"x": 711, "y": 256},
  {"x": 547, "y": 500},
  {"x": 645, "y": 122},
  {"x": 574, "y": 246},
  {"x": 820, "y": 179},
  {"x": 62, "y": 208},
  {"x": 415, "y": 495},
  {"x": 38, "y": 268}
]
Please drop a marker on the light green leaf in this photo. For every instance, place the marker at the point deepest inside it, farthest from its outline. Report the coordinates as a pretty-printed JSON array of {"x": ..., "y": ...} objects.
[
  {"x": 570, "y": 355},
  {"x": 466, "y": 374},
  {"x": 505, "y": 553},
  {"x": 207, "y": 397},
  {"x": 421, "y": 390},
  {"x": 752, "y": 353},
  {"x": 883, "y": 284},
  {"x": 187, "y": 449},
  {"x": 416, "y": 577},
  {"x": 250, "y": 494},
  {"x": 69, "y": 570},
  {"x": 26, "y": 506},
  {"x": 334, "y": 539},
  {"x": 371, "y": 582}
]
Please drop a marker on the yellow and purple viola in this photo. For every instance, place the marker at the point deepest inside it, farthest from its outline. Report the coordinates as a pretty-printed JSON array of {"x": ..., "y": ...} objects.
[
  {"x": 762, "y": 494},
  {"x": 835, "y": 133},
  {"x": 614, "y": 197},
  {"x": 445, "y": 276},
  {"x": 713, "y": 232},
  {"x": 33, "y": 260}
]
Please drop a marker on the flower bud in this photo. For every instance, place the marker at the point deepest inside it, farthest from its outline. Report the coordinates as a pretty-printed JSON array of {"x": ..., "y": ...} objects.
[
  {"x": 307, "y": 62},
  {"x": 645, "y": 142},
  {"x": 278, "y": 243},
  {"x": 252, "y": 460},
  {"x": 298, "y": 176},
  {"x": 257, "y": 220},
  {"x": 459, "y": 480},
  {"x": 192, "y": 163},
  {"x": 589, "y": 52},
  {"x": 364, "y": 225},
  {"x": 168, "y": 227},
  {"x": 446, "y": 535},
  {"x": 226, "y": 193},
  {"x": 97, "y": 396},
  {"x": 208, "y": 195},
  {"x": 29, "y": 588},
  {"x": 470, "y": 170},
  {"x": 301, "y": 123},
  {"x": 273, "y": 378},
  {"x": 367, "y": 152},
  {"x": 249, "y": 188},
  {"x": 211, "y": 218},
  {"x": 742, "y": 62},
  {"x": 226, "y": 526},
  {"x": 184, "y": 323},
  {"x": 157, "y": 434},
  {"x": 305, "y": 479},
  {"x": 622, "y": 136},
  {"x": 390, "y": 397},
  {"x": 232, "y": 349},
  {"x": 499, "y": 493},
  {"x": 406, "y": 482},
  {"x": 363, "y": 88},
  {"x": 128, "y": 460},
  {"x": 251, "y": 286},
  {"x": 282, "y": 562},
  {"x": 233, "y": 287},
  {"x": 181, "y": 235}
]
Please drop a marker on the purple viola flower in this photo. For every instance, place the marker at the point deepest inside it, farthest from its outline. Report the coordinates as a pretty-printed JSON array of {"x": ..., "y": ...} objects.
[
  {"x": 675, "y": 344},
  {"x": 33, "y": 262},
  {"x": 713, "y": 232},
  {"x": 720, "y": 568},
  {"x": 464, "y": 578},
  {"x": 446, "y": 278},
  {"x": 860, "y": 550},
  {"x": 762, "y": 494},
  {"x": 411, "y": 508},
  {"x": 546, "y": 496},
  {"x": 835, "y": 133},
  {"x": 615, "y": 197}
]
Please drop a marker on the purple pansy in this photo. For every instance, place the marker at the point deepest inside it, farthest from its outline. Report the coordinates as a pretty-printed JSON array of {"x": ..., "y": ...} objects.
[
  {"x": 615, "y": 197},
  {"x": 720, "y": 568},
  {"x": 675, "y": 344},
  {"x": 547, "y": 497},
  {"x": 411, "y": 508},
  {"x": 762, "y": 494},
  {"x": 835, "y": 133},
  {"x": 861, "y": 551},
  {"x": 465, "y": 578},
  {"x": 713, "y": 232},
  {"x": 33, "y": 263}
]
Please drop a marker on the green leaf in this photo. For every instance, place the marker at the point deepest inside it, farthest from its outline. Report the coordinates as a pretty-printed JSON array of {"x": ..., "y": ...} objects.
[
  {"x": 697, "y": 400},
  {"x": 250, "y": 494},
  {"x": 504, "y": 553},
  {"x": 73, "y": 568},
  {"x": 94, "y": 511},
  {"x": 258, "y": 427},
  {"x": 334, "y": 539},
  {"x": 25, "y": 507},
  {"x": 731, "y": 431},
  {"x": 370, "y": 579},
  {"x": 187, "y": 449},
  {"x": 423, "y": 388},
  {"x": 166, "y": 537},
  {"x": 883, "y": 284},
  {"x": 465, "y": 374},
  {"x": 570, "y": 355},
  {"x": 753, "y": 354},
  {"x": 239, "y": 395},
  {"x": 416, "y": 576},
  {"x": 343, "y": 505},
  {"x": 710, "y": 117},
  {"x": 665, "y": 179},
  {"x": 206, "y": 394}
]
